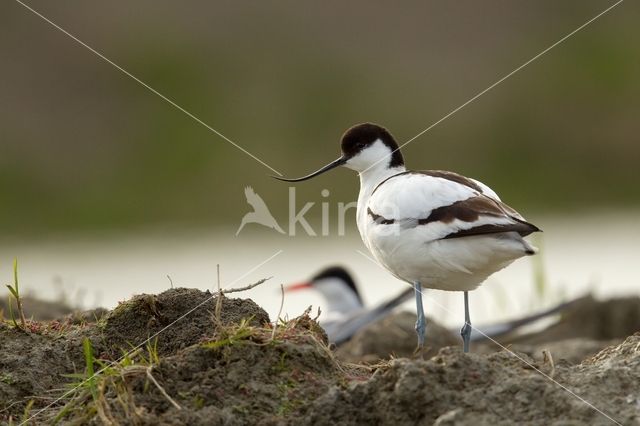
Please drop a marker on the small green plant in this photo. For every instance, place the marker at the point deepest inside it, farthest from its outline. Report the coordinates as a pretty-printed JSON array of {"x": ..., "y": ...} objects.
[
  {"x": 7, "y": 378},
  {"x": 152, "y": 350},
  {"x": 281, "y": 366},
  {"x": 83, "y": 384},
  {"x": 89, "y": 359},
  {"x": 233, "y": 335},
  {"x": 27, "y": 411},
  {"x": 91, "y": 388},
  {"x": 286, "y": 404},
  {"x": 15, "y": 292},
  {"x": 198, "y": 401}
]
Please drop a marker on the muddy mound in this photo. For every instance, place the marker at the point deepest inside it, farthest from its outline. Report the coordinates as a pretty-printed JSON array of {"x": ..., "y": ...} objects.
[
  {"x": 229, "y": 366},
  {"x": 24, "y": 357},
  {"x": 37, "y": 363},
  {"x": 454, "y": 388},
  {"x": 242, "y": 377},
  {"x": 572, "y": 351},
  {"x": 146, "y": 315},
  {"x": 395, "y": 336}
]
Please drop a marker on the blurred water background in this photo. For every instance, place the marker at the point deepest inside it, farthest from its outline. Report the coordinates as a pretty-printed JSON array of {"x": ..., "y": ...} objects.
[{"x": 106, "y": 189}]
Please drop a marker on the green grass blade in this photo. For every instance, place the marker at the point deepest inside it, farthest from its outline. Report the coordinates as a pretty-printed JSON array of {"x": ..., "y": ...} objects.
[
  {"x": 15, "y": 274},
  {"x": 13, "y": 291},
  {"x": 89, "y": 360},
  {"x": 13, "y": 318},
  {"x": 27, "y": 411}
]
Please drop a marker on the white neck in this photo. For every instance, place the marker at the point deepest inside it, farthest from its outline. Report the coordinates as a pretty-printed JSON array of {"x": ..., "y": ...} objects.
[
  {"x": 369, "y": 180},
  {"x": 340, "y": 298},
  {"x": 372, "y": 165}
]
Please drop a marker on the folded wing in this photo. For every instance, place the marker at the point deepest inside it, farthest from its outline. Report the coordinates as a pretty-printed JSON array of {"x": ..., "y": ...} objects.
[{"x": 447, "y": 205}]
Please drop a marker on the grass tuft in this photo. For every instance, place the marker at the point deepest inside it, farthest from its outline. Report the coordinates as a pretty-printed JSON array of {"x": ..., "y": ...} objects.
[
  {"x": 233, "y": 335},
  {"x": 15, "y": 292},
  {"x": 89, "y": 359}
]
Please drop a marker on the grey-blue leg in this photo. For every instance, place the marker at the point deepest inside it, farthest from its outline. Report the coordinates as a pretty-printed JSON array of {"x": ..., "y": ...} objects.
[
  {"x": 421, "y": 323},
  {"x": 465, "y": 332}
]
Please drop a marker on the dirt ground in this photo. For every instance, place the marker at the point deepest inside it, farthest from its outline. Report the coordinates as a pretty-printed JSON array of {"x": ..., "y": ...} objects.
[
  {"x": 224, "y": 364},
  {"x": 584, "y": 328}
]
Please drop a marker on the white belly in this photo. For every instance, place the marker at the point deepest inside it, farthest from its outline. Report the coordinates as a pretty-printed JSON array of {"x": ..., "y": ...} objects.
[{"x": 456, "y": 264}]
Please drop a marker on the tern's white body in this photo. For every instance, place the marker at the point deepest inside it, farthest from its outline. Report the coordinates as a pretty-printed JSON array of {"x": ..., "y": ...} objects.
[
  {"x": 416, "y": 252},
  {"x": 341, "y": 301},
  {"x": 345, "y": 312}
]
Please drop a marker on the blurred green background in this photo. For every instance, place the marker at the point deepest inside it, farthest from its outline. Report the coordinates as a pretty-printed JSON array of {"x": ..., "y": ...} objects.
[{"x": 84, "y": 147}]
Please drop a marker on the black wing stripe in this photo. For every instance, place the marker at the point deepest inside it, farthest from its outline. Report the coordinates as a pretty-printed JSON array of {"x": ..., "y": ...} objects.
[
  {"x": 380, "y": 219},
  {"x": 468, "y": 210},
  {"x": 471, "y": 210},
  {"x": 522, "y": 228}
]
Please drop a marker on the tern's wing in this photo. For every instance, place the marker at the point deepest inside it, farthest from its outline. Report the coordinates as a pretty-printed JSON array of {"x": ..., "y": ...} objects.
[
  {"x": 443, "y": 205},
  {"x": 344, "y": 331},
  {"x": 497, "y": 330},
  {"x": 385, "y": 308}
]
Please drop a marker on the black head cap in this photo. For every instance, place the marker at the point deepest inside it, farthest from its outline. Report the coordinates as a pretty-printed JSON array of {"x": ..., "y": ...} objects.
[
  {"x": 362, "y": 135},
  {"x": 341, "y": 273}
]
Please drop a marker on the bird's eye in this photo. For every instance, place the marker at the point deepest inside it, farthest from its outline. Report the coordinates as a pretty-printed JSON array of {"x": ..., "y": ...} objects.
[{"x": 360, "y": 145}]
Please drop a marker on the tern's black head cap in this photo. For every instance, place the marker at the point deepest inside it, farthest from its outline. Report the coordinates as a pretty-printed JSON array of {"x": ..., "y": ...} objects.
[
  {"x": 340, "y": 273},
  {"x": 363, "y": 135}
]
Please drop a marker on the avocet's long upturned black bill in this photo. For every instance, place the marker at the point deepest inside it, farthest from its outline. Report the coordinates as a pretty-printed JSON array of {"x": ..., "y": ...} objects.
[{"x": 339, "y": 162}]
